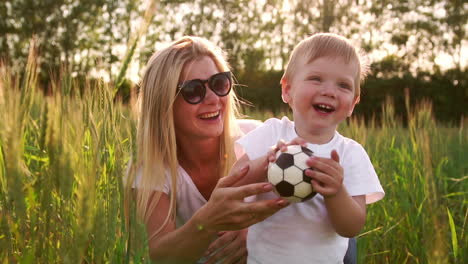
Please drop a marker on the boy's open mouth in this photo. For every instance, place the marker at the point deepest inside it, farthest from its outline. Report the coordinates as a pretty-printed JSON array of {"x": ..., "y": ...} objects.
[{"x": 324, "y": 108}]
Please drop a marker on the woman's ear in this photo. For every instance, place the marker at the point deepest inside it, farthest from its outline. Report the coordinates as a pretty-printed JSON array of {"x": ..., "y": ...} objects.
[{"x": 285, "y": 90}]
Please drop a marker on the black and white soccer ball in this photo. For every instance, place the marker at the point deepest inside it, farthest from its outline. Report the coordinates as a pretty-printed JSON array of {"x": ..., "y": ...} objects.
[{"x": 287, "y": 174}]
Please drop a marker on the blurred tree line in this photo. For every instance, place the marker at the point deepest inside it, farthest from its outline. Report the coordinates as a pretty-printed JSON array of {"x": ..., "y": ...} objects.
[{"x": 109, "y": 38}]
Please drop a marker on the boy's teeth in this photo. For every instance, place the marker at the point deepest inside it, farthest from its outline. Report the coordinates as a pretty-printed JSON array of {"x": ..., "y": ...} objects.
[
  {"x": 210, "y": 115},
  {"x": 325, "y": 106}
]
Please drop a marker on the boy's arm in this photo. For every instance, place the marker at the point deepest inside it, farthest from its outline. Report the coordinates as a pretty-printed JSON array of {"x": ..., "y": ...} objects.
[{"x": 347, "y": 214}]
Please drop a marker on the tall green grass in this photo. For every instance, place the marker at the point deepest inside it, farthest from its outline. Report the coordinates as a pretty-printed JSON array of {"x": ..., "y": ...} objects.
[
  {"x": 63, "y": 157},
  {"x": 423, "y": 167}
]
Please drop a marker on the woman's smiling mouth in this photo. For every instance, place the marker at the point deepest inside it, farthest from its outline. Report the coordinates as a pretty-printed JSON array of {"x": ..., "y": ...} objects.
[{"x": 209, "y": 116}]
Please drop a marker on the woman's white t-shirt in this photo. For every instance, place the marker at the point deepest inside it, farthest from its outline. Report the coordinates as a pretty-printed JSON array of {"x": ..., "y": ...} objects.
[{"x": 188, "y": 197}]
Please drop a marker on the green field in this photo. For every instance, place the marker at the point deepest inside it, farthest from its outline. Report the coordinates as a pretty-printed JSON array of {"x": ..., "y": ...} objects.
[{"x": 62, "y": 158}]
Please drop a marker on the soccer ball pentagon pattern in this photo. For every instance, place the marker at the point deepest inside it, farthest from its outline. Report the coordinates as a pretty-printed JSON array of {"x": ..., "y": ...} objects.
[{"x": 287, "y": 174}]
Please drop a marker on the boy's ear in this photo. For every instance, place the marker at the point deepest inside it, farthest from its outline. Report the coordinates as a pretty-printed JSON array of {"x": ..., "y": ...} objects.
[
  {"x": 285, "y": 90},
  {"x": 356, "y": 101}
]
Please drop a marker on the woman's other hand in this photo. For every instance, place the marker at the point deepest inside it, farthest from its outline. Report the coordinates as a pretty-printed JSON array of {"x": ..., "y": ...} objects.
[{"x": 229, "y": 247}]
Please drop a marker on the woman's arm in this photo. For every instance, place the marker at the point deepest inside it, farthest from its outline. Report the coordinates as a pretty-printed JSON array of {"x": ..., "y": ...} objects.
[
  {"x": 171, "y": 245},
  {"x": 226, "y": 210}
]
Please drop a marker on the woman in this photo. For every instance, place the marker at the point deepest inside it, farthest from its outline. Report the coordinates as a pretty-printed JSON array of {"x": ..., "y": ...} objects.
[{"x": 186, "y": 134}]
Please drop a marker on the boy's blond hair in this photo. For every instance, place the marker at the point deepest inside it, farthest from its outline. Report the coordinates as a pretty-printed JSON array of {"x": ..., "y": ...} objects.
[{"x": 326, "y": 45}]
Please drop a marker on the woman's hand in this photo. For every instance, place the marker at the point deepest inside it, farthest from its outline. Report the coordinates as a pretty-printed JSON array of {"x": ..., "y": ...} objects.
[
  {"x": 282, "y": 146},
  {"x": 226, "y": 209},
  {"x": 230, "y": 247}
]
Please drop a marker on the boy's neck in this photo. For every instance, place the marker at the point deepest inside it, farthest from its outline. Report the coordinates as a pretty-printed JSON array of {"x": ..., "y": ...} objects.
[{"x": 316, "y": 136}]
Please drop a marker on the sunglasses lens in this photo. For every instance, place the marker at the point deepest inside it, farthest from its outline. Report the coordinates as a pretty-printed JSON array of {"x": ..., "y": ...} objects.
[
  {"x": 220, "y": 84},
  {"x": 193, "y": 92}
]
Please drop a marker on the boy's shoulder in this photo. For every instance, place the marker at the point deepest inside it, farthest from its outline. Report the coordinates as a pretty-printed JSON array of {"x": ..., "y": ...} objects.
[
  {"x": 348, "y": 141},
  {"x": 284, "y": 121},
  {"x": 271, "y": 130},
  {"x": 348, "y": 144}
]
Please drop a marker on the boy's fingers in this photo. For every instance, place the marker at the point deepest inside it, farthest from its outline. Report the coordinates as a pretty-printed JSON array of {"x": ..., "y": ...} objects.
[
  {"x": 318, "y": 176},
  {"x": 281, "y": 145},
  {"x": 271, "y": 155},
  {"x": 298, "y": 141},
  {"x": 335, "y": 156},
  {"x": 324, "y": 164},
  {"x": 320, "y": 164},
  {"x": 318, "y": 187}
]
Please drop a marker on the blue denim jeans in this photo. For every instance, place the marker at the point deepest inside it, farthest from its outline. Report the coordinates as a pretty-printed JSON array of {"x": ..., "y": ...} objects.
[{"x": 351, "y": 253}]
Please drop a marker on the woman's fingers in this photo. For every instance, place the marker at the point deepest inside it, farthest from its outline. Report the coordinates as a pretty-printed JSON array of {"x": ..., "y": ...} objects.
[
  {"x": 242, "y": 260},
  {"x": 242, "y": 192},
  {"x": 239, "y": 254},
  {"x": 226, "y": 238},
  {"x": 232, "y": 178},
  {"x": 258, "y": 209},
  {"x": 231, "y": 249}
]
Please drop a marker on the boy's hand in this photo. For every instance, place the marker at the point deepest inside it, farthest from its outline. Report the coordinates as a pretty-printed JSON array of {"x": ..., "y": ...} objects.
[
  {"x": 327, "y": 178},
  {"x": 282, "y": 145}
]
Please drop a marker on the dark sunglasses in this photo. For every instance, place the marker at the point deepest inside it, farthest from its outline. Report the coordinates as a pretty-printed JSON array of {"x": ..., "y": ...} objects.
[{"x": 194, "y": 91}]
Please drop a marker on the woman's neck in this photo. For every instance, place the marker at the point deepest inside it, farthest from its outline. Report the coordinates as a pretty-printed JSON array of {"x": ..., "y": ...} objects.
[
  {"x": 198, "y": 153},
  {"x": 201, "y": 160}
]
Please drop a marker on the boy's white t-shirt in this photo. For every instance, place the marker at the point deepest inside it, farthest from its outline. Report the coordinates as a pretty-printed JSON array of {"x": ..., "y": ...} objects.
[{"x": 302, "y": 232}]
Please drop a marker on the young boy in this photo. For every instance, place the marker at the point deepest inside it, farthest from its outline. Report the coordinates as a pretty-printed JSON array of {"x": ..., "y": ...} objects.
[{"x": 321, "y": 84}]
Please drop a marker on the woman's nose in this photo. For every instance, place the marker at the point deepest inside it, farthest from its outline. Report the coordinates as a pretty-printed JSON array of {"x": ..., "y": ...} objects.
[{"x": 210, "y": 96}]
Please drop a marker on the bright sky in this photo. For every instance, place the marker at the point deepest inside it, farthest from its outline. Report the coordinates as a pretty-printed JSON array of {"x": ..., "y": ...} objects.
[{"x": 444, "y": 60}]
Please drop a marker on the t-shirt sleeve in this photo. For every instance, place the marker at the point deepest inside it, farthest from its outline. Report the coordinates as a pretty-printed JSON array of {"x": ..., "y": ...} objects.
[
  {"x": 257, "y": 142},
  {"x": 360, "y": 177},
  {"x": 245, "y": 125},
  {"x": 166, "y": 188}
]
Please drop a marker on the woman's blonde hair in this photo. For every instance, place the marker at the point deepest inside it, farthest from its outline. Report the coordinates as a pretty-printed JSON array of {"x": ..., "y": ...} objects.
[
  {"x": 156, "y": 140},
  {"x": 327, "y": 45}
]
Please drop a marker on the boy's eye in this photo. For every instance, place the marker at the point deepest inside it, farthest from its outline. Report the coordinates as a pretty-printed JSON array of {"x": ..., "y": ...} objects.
[
  {"x": 345, "y": 86},
  {"x": 314, "y": 78}
]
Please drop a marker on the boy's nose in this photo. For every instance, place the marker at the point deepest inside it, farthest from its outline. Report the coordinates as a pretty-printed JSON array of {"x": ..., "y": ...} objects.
[{"x": 329, "y": 90}]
